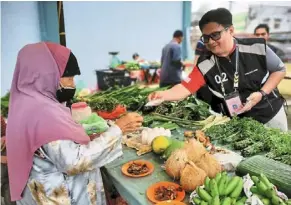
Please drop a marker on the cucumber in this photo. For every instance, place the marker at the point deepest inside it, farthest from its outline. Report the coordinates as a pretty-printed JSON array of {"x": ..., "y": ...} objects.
[{"x": 277, "y": 173}]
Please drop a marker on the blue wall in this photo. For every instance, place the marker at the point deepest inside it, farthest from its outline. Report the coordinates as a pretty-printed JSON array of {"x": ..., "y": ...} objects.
[
  {"x": 19, "y": 26},
  {"x": 48, "y": 21},
  {"x": 95, "y": 28},
  {"x": 23, "y": 23}
]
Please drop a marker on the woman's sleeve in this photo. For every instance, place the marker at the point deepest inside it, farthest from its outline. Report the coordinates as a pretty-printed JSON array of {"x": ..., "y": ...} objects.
[{"x": 72, "y": 158}]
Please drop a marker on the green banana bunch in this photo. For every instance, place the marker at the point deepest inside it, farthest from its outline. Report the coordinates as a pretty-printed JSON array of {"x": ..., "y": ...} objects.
[
  {"x": 264, "y": 189},
  {"x": 221, "y": 190}
]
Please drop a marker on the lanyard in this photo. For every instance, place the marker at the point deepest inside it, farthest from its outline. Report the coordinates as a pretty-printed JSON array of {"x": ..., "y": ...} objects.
[{"x": 236, "y": 76}]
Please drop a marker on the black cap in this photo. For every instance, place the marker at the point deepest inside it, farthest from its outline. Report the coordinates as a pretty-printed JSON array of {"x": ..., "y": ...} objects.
[
  {"x": 221, "y": 16},
  {"x": 72, "y": 67}
]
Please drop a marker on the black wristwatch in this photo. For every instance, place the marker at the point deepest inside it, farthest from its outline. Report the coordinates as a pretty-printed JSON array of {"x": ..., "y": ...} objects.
[{"x": 264, "y": 95}]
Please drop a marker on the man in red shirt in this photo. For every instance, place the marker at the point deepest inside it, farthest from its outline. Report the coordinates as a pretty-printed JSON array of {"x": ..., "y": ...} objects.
[{"x": 245, "y": 67}]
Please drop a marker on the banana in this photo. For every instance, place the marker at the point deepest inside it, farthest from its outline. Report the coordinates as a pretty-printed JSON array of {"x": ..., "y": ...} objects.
[
  {"x": 213, "y": 188},
  {"x": 203, "y": 203},
  {"x": 270, "y": 193},
  {"x": 215, "y": 200},
  {"x": 206, "y": 184},
  {"x": 197, "y": 200},
  {"x": 254, "y": 190},
  {"x": 266, "y": 201},
  {"x": 262, "y": 188},
  {"x": 275, "y": 200},
  {"x": 243, "y": 199},
  {"x": 265, "y": 180},
  {"x": 204, "y": 195},
  {"x": 222, "y": 184},
  {"x": 255, "y": 179},
  {"x": 231, "y": 185},
  {"x": 237, "y": 190},
  {"x": 226, "y": 201},
  {"x": 217, "y": 177}
]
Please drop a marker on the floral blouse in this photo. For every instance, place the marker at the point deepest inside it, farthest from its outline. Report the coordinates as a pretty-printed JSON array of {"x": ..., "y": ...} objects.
[{"x": 65, "y": 172}]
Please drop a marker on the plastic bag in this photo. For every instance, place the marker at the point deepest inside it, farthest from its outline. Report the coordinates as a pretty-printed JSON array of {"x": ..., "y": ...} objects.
[{"x": 94, "y": 124}]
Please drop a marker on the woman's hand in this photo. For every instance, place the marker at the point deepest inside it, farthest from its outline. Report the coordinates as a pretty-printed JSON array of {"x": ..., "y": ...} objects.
[{"x": 130, "y": 122}]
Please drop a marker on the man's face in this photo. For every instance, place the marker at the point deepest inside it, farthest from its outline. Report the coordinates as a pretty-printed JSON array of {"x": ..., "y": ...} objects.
[
  {"x": 180, "y": 39},
  {"x": 221, "y": 39},
  {"x": 262, "y": 33}
]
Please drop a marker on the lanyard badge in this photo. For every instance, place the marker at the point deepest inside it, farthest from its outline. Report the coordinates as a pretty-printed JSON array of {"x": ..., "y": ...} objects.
[{"x": 232, "y": 100}]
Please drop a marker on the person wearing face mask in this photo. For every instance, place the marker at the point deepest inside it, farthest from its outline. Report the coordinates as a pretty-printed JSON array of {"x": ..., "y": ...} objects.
[
  {"x": 55, "y": 161},
  {"x": 242, "y": 73},
  {"x": 66, "y": 93}
]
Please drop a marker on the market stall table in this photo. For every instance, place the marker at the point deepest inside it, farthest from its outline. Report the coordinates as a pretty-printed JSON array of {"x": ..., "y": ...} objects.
[
  {"x": 150, "y": 78},
  {"x": 133, "y": 190}
]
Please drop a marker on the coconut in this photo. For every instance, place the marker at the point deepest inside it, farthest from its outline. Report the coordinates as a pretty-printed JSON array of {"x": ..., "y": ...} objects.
[
  {"x": 195, "y": 150},
  {"x": 209, "y": 164},
  {"x": 176, "y": 163},
  {"x": 191, "y": 177}
]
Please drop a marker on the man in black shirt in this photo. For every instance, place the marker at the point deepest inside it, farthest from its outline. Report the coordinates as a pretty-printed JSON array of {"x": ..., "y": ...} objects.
[
  {"x": 263, "y": 31},
  {"x": 243, "y": 73},
  {"x": 171, "y": 61}
]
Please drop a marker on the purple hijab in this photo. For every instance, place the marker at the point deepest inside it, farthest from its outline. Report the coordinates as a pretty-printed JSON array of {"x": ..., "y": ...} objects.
[{"x": 35, "y": 116}]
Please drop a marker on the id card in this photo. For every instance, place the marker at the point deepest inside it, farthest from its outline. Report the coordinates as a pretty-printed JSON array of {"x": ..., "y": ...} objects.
[{"x": 233, "y": 103}]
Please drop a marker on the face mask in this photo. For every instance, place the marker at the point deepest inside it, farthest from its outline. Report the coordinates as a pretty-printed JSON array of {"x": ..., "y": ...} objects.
[{"x": 65, "y": 94}]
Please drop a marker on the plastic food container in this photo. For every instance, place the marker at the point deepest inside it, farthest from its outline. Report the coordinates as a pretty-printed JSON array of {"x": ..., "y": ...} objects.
[{"x": 80, "y": 111}]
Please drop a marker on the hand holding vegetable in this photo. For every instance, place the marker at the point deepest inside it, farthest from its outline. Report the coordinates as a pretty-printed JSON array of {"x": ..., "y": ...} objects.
[
  {"x": 158, "y": 95},
  {"x": 129, "y": 122}
]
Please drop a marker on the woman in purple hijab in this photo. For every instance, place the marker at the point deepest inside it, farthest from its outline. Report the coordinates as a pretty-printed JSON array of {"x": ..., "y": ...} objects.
[{"x": 51, "y": 160}]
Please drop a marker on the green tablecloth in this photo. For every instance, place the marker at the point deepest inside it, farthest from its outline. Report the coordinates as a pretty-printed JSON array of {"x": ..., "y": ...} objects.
[{"x": 133, "y": 190}]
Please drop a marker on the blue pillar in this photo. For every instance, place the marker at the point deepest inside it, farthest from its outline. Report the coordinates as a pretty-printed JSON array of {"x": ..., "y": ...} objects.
[
  {"x": 48, "y": 21},
  {"x": 186, "y": 45}
]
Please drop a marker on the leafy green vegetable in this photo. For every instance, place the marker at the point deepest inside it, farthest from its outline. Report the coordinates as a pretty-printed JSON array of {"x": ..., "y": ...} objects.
[
  {"x": 252, "y": 137},
  {"x": 190, "y": 109},
  {"x": 132, "y": 66},
  {"x": 103, "y": 104},
  {"x": 5, "y": 105}
]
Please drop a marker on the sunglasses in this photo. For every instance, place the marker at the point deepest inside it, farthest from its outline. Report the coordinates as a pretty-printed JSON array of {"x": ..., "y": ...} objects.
[{"x": 214, "y": 36}]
